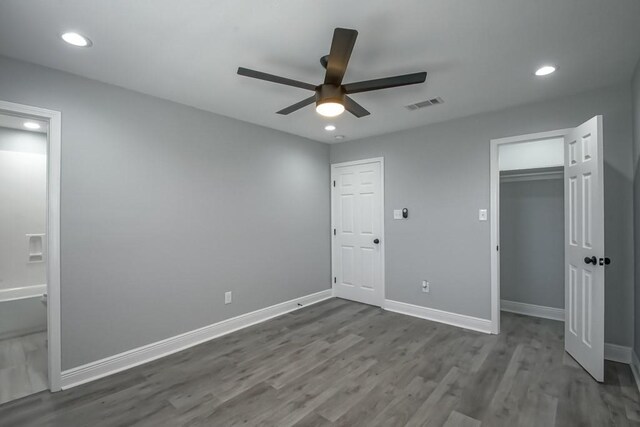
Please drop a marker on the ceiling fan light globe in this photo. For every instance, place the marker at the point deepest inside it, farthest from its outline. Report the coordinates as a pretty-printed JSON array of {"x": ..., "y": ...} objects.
[{"x": 330, "y": 109}]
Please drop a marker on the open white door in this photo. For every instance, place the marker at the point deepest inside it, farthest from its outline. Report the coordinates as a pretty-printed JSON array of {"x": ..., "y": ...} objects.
[
  {"x": 584, "y": 247},
  {"x": 357, "y": 226}
]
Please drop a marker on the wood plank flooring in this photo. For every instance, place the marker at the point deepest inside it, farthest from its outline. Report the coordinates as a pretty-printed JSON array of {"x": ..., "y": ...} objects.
[
  {"x": 339, "y": 363},
  {"x": 23, "y": 366}
]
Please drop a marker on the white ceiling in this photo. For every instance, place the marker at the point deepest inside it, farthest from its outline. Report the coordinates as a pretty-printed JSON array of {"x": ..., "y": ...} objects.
[{"x": 480, "y": 55}]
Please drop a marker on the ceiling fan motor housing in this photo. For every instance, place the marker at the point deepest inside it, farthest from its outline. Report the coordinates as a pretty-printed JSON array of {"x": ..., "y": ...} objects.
[{"x": 329, "y": 93}]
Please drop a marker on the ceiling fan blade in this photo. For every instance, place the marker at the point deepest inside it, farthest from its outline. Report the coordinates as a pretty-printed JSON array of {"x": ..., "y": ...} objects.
[
  {"x": 341, "y": 48},
  {"x": 275, "y": 79},
  {"x": 387, "y": 82},
  {"x": 290, "y": 109},
  {"x": 354, "y": 108}
]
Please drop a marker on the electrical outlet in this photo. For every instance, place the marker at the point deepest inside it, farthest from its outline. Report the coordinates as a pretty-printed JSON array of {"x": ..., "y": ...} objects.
[
  {"x": 227, "y": 297},
  {"x": 426, "y": 286}
]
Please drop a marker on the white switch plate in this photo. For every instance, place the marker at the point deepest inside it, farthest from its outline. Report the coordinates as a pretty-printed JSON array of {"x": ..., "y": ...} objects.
[
  {"x": 397, "y": 214},
  {"x": 227, "y": 297},
  {"x": 482, "y": 214},
  {"x": 426, "y": 286}
]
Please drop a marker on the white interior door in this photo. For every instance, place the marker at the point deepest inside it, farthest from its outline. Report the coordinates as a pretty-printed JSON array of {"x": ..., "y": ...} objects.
[
  {"x": 584, "y": 247},
  {"x": 357, "y": 224}
]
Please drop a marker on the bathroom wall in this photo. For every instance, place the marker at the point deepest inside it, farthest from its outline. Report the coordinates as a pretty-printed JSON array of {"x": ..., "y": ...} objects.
[
  {"x": 21, "y": 317},
  {"x": 23, "y": 170},
  {"x": 22, "y": 206}
]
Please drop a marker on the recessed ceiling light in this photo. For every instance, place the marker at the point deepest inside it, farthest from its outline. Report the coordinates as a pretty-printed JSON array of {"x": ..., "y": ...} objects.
[
  {"x": 76, "y": 39},
  {"x": 329, "y": 128},
  {"x": 330, "y": 109},
  {"x": 31, "y": 125},
  {"x": 545, "y": 70},
  {"x": 339, "y": 137}
]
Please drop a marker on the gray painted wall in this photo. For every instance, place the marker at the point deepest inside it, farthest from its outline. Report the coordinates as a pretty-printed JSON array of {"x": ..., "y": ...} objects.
[
  {"x": 165, "y": 207},
  {"x": 441, "y": 173},
  {"x": 532, "y": 242},
  {"x": 635, "y": 88}
]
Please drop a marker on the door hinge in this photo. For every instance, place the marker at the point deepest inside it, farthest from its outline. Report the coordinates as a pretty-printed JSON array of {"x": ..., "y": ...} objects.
[
  {"x": 334, "y": 183},
  {"x": 497, "y": 248},
  {"x": 334, "y": 231},
  {"x": 334, "y": 280}
]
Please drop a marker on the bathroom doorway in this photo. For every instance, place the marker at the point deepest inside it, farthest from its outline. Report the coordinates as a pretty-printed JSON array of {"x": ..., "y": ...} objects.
[{"x": 26, "y": 266}]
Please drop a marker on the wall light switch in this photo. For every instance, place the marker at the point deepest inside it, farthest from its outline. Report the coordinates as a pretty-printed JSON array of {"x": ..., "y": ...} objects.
[
  {"x": 397, "y": 214},
  {"x": 426, "y": 286},
  {"x": 482, "y": 215},
  {"x": 227, "y": 297}
]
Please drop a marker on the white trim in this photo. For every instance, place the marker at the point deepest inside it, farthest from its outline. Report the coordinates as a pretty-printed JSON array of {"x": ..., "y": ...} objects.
[
  {"x": 495, "y": 213},
  {"x": 358, "y": 162},
  {"x": 382, "y": 244},
  {"x": 532, "y": 176},
  {"x": 613, "y": 352},
  {"x": 138, "y": 356},
  {"x": 23, "y": 292},
  {"x": 532, "y": 310},
  {"x": 532, "y": 137},
  {"x": 635, "y": 368},
  {"x": 53, "y": 229},
  {"x": 618, "y": 353},
  {"x": 454, "y": 319}
]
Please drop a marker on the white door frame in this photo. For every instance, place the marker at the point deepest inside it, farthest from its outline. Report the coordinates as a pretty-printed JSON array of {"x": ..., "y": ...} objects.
[
  {"x": 495, "y": 213},
  {"x": 382, "y": 237},
  {"x": 54, "y": 118}
]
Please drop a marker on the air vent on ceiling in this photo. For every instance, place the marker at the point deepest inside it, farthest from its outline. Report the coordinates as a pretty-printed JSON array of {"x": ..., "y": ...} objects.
[{"x": 423, "y": 104}]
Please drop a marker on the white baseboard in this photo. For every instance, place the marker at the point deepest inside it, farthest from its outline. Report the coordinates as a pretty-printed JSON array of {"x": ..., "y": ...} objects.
[
  {"x": 618, "y": 353},
  {"x": 613, "y": 352},
  {"x": 532, "y": 310},
  {"x": 635, "y": 368},
  {"x": 138, "y": 356},
  {"x": 454, "y": 319}
]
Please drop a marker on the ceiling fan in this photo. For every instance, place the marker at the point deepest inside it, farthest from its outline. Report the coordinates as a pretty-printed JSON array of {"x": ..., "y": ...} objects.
[{"x": 331, "y": 97}]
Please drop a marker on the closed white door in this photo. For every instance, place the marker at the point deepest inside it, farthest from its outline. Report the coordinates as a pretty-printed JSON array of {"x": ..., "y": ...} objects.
[
  {"x": 357, "y": 224},
  {"x": 584, "y": 247}
]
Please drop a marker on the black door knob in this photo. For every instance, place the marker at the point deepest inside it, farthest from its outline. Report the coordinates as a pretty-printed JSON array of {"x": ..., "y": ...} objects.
[
  {"x": 605, "y": 261},
  {"x": 593, "y": 260},
  {"x": 376, "y": 241}
]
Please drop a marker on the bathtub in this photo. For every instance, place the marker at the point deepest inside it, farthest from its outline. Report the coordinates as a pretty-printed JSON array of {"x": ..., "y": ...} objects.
[{"x": 22, "y": 311}]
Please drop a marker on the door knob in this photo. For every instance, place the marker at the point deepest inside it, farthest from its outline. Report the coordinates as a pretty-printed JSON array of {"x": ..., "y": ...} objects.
[
  {"x": 591, "y": 260},
  {"x": 376, "y": 241},
  {"x": 605, "y": 261}
]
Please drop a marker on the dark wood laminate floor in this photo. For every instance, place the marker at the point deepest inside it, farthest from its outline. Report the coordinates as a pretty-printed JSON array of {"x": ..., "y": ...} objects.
[{"x": 339, "y": 363}]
